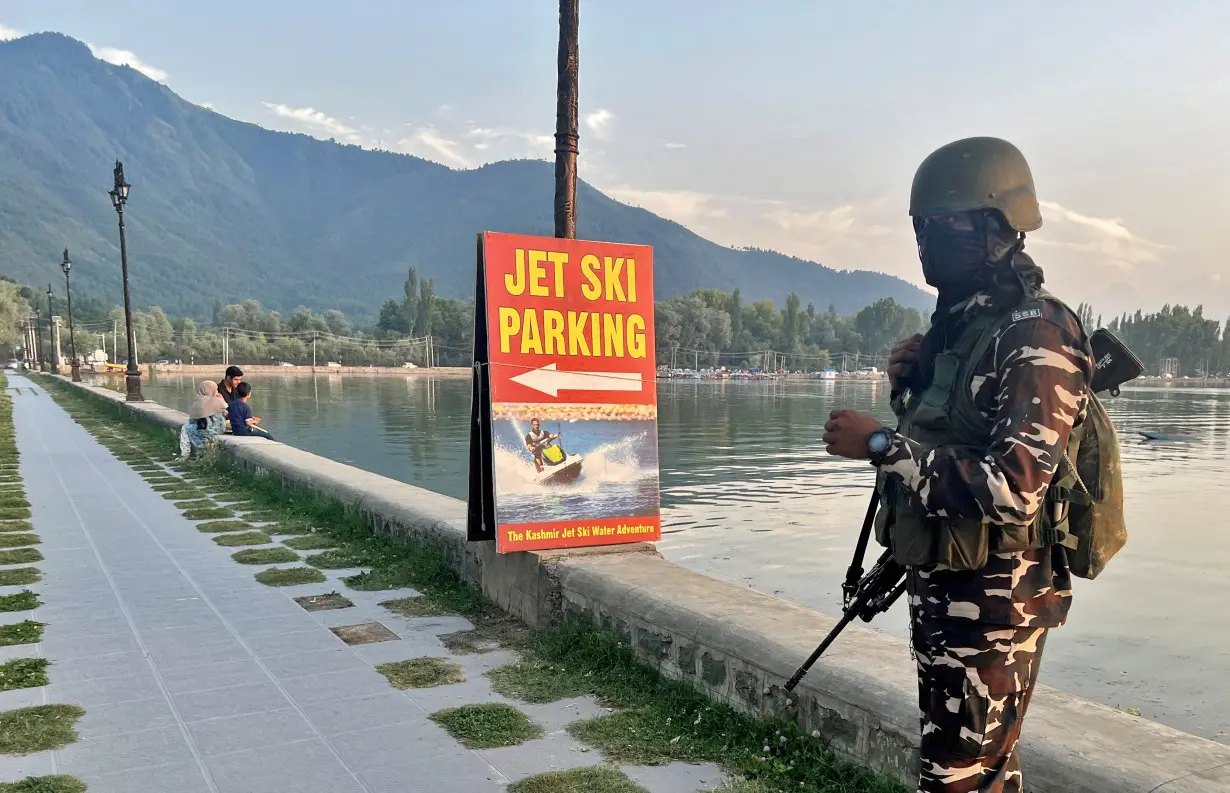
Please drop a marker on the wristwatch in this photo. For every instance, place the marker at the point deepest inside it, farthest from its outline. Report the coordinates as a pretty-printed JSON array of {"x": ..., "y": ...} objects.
[{"x": 878, "y": 444}]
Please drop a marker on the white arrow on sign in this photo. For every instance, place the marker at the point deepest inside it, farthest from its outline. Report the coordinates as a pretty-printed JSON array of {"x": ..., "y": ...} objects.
[{"x": 550, "y": 380}]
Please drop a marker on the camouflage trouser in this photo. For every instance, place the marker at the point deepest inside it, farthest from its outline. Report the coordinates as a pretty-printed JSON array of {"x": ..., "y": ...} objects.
[{"x": 974, "y": 685}]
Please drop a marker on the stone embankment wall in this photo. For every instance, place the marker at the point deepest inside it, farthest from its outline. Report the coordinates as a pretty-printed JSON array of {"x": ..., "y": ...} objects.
[{"x": 740, "y": 646}]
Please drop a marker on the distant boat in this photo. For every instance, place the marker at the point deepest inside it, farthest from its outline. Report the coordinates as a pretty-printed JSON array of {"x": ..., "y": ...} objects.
[{"x": 1162, "y": 436}]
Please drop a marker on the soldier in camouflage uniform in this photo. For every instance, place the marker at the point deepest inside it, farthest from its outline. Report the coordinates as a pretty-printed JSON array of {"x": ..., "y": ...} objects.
[{"x": 978, "y": 629}]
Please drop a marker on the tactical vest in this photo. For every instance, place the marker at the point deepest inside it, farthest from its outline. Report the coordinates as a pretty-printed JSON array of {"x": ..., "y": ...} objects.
[{"x": 1083, "y": 507}]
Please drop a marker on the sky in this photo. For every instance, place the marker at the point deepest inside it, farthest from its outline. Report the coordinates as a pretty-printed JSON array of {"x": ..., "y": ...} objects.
[{"x": 789, "y": 125}]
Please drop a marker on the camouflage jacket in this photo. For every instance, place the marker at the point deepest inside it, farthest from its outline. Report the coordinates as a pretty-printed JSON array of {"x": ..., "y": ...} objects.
[{"x": 1031, "y": 385}]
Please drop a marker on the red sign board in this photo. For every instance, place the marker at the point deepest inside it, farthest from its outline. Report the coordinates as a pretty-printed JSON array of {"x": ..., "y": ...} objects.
[{"x": 565, "y": 401}]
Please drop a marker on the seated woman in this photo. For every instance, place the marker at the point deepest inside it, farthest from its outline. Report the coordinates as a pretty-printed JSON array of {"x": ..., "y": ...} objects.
[{"x": 206, "y": 419}]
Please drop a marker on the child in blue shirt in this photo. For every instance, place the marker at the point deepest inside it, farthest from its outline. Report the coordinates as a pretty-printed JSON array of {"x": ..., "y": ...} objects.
[{"x": 243, "y": 423}]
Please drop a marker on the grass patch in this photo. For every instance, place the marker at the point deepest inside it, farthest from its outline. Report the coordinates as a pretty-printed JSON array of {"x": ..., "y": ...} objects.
[
  {"x": 15, "y": 525},
  {"x": 56, "y": 783},
  {"x": 219, "y": 526},
  {"x": 244, "y": 538},
  {"x": 213, "y": 513},
  {"x": 20, "y": 556},
  {"x": 417, "y": 607},
  {"x": 23, "y": 673},
  {"x": 264, "y": 555},
  {"x": 595, "y": 779},
  {"x": 306, "y": 542},
  {"x": 325, "y": 602},
  {"x": 338, "y": 558},
  {"x": 22, "y": 601},
  {"x": 536, "y": 682},
  {"x": 15, "y": 513},
  {"x": 196, "y": 503},
  {"x": 300, "y": 529},
  {"x": 487, "y": 726},
  {"x": 20, "y": 576},
  {"x": 421, "y": 673},
  {"x": 18, "y": 540},
  {"x": 38, "y": 728},
  {"x": 24, "y": 632},
  {"x": 13, "y": 500},
  {"x": 290, "y": 576},
  {"x": 177, "y": 490}
]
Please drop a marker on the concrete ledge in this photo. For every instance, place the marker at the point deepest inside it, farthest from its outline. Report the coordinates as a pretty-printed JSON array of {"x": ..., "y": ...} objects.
[{"x": 740, "y": 646}]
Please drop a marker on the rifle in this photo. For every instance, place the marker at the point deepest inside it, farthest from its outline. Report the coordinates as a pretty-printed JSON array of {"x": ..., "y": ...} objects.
[{"x": 863, "y": 596}]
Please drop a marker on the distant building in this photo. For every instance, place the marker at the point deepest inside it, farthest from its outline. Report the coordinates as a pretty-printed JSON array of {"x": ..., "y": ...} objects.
[{"x": 1168, "y": 367}]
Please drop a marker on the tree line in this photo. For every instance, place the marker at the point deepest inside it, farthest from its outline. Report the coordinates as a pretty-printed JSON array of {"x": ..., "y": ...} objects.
[{"x": 707, "y": 328}]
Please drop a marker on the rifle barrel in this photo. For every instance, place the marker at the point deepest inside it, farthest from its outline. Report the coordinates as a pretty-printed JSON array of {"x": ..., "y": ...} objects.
[{"x": 846, "y": 618}]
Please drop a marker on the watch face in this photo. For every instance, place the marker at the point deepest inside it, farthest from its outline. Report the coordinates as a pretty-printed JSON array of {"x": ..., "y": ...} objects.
[{"x": 878, "y": 442}]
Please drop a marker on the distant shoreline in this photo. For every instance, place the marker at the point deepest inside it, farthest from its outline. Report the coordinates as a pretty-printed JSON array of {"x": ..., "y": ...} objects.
[{"x": 215, "y": 371}]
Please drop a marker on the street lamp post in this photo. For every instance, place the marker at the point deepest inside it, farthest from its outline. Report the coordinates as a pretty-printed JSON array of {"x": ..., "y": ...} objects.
[
  {"x": 566, "y": 123},
  {"x": 53, "y": 356},
  {"x": 132, "y": 375},
  {"x": 37, "y": 358},
  {"x": 66, "y": 265}
]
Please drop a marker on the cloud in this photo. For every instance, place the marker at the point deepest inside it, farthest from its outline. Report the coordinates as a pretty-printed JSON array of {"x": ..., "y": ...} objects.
[
  {"x": 426, "y": 142},
  {"x": 1102, "y": 242},
  {"x": 599, "y": 123},
  {"x": 127, "y": 58},
  {"x": 682, "y": 206},
  {"x": 316, "y": 121},
  {"x": 676, "y": 145},
  {"x": 8, "y": 33}
]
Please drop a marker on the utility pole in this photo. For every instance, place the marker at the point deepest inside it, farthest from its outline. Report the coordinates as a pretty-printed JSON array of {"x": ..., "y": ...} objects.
[
  {"x": 115, "y": 342},
  {"x": 313, "y": 349},
  {"x": 566, "y": 123}
]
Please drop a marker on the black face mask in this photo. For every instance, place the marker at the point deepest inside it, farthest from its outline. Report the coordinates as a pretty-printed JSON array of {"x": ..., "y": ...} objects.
[{"x": 956, "y": 252}]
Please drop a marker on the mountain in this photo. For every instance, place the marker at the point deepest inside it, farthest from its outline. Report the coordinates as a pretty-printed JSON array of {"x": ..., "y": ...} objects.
[{"x": 222, "y": 210}]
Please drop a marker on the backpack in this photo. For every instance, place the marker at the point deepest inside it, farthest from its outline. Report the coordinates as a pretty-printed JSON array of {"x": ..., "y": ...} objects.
[{"x": 1089, "y": 482}]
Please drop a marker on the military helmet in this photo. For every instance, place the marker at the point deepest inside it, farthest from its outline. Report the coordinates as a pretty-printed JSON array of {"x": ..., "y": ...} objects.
[{"x": 973, "y": 174}]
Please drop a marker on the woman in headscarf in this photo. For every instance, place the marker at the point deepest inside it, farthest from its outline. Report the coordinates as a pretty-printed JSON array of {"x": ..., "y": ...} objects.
[{"x": 206, "y": 419}]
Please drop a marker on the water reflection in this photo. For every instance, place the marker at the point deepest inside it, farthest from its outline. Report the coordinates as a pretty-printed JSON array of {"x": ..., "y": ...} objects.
[{"x": 749, "y": 495}]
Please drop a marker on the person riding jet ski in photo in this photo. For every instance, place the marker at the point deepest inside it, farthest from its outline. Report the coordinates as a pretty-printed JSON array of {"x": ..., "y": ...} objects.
[{"x": 537, "y": 440}]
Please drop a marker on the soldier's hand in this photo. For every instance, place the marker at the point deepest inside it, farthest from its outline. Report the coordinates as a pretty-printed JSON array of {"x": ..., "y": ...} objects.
[
  {"x": 901, "y": 359},
  {"x": 845, "y": 434}
]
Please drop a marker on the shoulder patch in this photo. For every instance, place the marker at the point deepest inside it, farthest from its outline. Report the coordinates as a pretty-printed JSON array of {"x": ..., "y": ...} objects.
[{"x": 1026, "y": 313}]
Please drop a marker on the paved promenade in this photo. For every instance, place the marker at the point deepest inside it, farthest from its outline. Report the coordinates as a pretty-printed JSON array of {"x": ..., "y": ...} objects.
[{"x": 195, "y": 678}]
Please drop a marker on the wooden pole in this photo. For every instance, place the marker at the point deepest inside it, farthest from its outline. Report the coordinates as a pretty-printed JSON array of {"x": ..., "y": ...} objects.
[{"x": 566, "y": 124}]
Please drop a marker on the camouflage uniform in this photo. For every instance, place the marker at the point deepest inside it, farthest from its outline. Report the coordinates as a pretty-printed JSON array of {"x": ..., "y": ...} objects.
[{"x": 978, "y": 635}]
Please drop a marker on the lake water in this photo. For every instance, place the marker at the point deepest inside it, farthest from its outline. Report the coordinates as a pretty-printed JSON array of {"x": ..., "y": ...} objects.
[{"x": 749, "y": 495}]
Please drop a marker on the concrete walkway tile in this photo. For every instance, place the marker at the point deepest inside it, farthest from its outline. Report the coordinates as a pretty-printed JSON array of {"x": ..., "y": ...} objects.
[
  {"x": 556, "y": 751},
  {"x": 164, "y": 639},
  {"x": 60, "y": 647},
  {"x": 127, "y": 716},
  {"x": 273, "y": 644},
  {"x": 353, "y": 615},
  {"x": 100, "y": 666},
  {"x": 676, "y": 777},
  {"x": 109, "y": 754},
  {"x": 181, "y": 777},
  {"x": 176, "y": 618},
  {"x": 416, "y": 756},
  {"x": 194, "y": 653},
  {"x": 103, "y": 691},
  {"x": 75, "y": 613},
  {"x": 314, "y": 663},
  {"x": 346, "y": 684},
  {"x": 257, "y": 626},
  {"x": 375, "y": 710},
  {"x": 554, "y": 716},
  {"x": 82, "y": 628},
  {"x": 229, "y": 701},
  {"x": 14, "y": 617},
  {"x": 477, "y": 664},
  {"x": 424, "y": 626},
  {"x": 380, "y": 595},
  {"x": 12, "y": 652},
  {"x": 378, "y": 653},
  {"x": 13, "y": 768},
  {"x": 303, "y": 767},
  {"x": 208, "y": 676},
  {"x": 473, "y": 690},
  {"x": 22, "y": 698},
  {"x": 231, "y": 734}
]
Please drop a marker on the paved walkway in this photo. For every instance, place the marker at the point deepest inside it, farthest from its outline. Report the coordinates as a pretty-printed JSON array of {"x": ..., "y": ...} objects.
[{"x": 195, "y": 678}]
